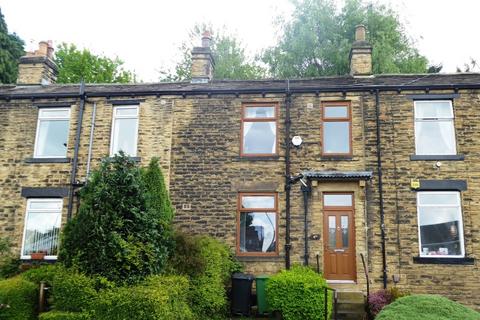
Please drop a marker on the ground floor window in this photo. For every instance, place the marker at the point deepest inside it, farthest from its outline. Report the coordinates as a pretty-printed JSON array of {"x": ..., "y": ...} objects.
[
  {"x": 42, "y": 227},
  {"x": 440, "y": 224},
  {"x": 257, "y": 224}
]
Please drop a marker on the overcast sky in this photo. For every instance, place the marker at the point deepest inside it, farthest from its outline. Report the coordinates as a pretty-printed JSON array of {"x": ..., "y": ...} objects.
[{"x": 146, "y": 34}]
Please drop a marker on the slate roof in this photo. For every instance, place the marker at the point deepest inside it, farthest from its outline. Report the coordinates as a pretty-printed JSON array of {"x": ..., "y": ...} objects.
[
  {"x": 338, "y": 175},
  {"x": 268, "y": 85}
]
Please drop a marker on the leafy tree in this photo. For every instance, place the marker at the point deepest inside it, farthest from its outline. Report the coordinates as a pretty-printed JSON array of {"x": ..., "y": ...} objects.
[
  {"x": 118, "y": 232},
  {"x": 231, "y": 62},
  {"x": 318, "y": 38},
  {"x": 75, "y": 64},
  {"x": 11, "y": 49}
]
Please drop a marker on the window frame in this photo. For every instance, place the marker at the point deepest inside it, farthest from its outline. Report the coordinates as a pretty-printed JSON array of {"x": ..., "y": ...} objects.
[
  {"x": 240, "y": 210},
  {"x": 452, "y": 120},
  {"x": 461, "y": 234},
  {"x": 348, "y": 119},
  {"x": 27, "y": 211},
  {"x": 268, "y": 119},
  {"x": 115, "y": 117},
  {"x": 40, "y": 119}
]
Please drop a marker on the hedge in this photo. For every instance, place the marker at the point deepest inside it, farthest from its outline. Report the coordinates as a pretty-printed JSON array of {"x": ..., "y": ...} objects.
[
  {"x": 61, "y": 315},
  {"x": 19, "y": 299},
  {"x": 44, "y": 273},
  {"x": 426, "y": 307},
  {"x": 72, "y": 291},
  {"x": 298, "y": 293},
  {"x": 159, "y": 297}
]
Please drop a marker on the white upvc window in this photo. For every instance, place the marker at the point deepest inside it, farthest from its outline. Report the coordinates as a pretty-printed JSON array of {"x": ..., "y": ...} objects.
[
  {"x": 42, "y": 228},
  {"x": 440, "y": 225},
  {"x": 52, "y": 133},
  {"x": 434, "y": 128},
  {"x": 124, "y": 130}
]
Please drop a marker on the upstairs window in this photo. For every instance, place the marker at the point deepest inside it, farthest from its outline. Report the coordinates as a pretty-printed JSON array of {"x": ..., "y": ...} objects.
[
  {"x": 52, "y": 133},
  {"x": 124, "y": 130},
  {"x": 259, "y": 130},
  {"x": 336, "y": 129},
  {"x": 257, "y": 224},
  {"x": 434, "y": 128},
  {"x": 440, "y": 224},
  {"x": 42, "y": 227}
]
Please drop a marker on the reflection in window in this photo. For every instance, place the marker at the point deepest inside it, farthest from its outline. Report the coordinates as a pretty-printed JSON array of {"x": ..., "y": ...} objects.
[
  {"x": 257, "y": 228},
  {"x": 42, "y": 227},
  {"x": 52, "y": 133},
  {"x": 344, "y": 226},
  {"x": 440, "y": 224},
  {"x": 337, "y": 200},
  {"x": 259, "y": 127},
  {"x": 124, "y": 130},
  {"x": 332, "y": 235},
  {"x": 336, "y": 130},
  {"x": 434, "y": 128}
]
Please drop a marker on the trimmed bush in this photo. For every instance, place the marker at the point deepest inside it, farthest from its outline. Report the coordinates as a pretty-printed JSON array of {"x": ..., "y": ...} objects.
[
  {"x": 298, "y": 294},
  {"x": 18, "y": 298},
  {"x": 72, "y": 291},
  {"x": 157, "y": 298},
  {"x": 209, "y": 264},
  {"x": 42, "y": 273},
  {"x": 117, "y": 233},
  {"x": 60, "y": 315},
  {"x": 426, "y": 307}
]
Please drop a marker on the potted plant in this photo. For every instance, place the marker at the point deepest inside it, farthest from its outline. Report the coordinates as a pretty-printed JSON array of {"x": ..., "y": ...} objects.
[{"x": 39, "y": 255}]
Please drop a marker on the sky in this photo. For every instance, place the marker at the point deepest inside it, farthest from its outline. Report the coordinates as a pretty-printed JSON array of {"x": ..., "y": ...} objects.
[{"x": 146, "y": 34}]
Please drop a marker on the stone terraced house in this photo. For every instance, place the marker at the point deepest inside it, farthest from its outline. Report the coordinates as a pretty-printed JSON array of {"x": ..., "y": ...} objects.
[{"x": 318, "y": 171}]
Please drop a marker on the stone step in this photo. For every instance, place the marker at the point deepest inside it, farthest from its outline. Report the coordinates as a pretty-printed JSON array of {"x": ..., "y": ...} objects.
[
  {"x": 351, "y": 306},
  {"x": 350, "y": 316},
  {"x": 351, "y": 296}
]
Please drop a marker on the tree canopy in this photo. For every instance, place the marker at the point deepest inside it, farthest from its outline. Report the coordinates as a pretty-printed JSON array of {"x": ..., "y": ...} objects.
[
  {"x": 75, "y": 64},
  {"x": 11, "y": 49},
  {"x": 318, "y": 38},
  {"x": 231, "y": 61}
]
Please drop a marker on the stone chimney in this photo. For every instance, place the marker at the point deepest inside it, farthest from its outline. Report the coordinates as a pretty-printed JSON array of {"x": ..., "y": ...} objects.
[
  {"x": 361, "y": 54},
  {"x": 202, "y": 60},
  {"x": 38, "y": 67}
]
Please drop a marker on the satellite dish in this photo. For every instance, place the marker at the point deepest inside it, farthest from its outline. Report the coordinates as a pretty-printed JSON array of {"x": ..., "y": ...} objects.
[{"x": 297, "y": 141}]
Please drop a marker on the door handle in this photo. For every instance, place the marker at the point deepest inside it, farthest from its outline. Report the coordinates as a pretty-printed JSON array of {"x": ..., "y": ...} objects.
[{"x": 339, "y": 250}]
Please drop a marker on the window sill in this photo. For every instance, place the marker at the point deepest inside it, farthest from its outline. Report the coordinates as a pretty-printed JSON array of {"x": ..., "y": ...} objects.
[
  {"x": 436, "y": 260},
  {"x": 136, "y": 159},
  {"x": 335, "y": 158},
  {"x": 259, "y": 258},
  {"x": 258, "y": 158},
  {"x": 47, "y": 160},
  {"x": 453, "y": 157}
]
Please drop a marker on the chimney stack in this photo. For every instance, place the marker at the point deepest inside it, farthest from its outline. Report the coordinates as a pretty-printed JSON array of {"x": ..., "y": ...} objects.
[
  {"x": 38, "y": 67},
  {"x": 361, "y": 54},
  {"x": 202, "y": 60}
]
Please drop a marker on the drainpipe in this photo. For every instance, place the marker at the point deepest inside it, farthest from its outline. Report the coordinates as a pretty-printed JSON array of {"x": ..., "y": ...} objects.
[
  {"x": 90, "y": 143},
  {"x": 73, "y": 176},
  {"x": 288, "y": 182},
  {"x": 305, "y": 187},
  {"x": 380, "y": 188}
]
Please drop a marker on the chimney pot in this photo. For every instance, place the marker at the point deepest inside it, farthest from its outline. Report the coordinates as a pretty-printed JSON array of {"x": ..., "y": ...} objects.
[
  {"x": 360, "y": 33},
  {"x": 206, "y": 39},
  {"x": 42, "y": 48}
]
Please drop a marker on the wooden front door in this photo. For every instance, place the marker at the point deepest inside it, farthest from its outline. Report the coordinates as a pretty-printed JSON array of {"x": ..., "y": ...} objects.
[{"x": 339, "y": 231}]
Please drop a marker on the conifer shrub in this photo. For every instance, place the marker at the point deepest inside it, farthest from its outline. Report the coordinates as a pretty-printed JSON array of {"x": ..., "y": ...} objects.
[
  {"x": 298, "y": 293},
  {"x": 426, "y": 307},
  {"x": 119, "y": 232},
  {"x": 18, "y": 299}
]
